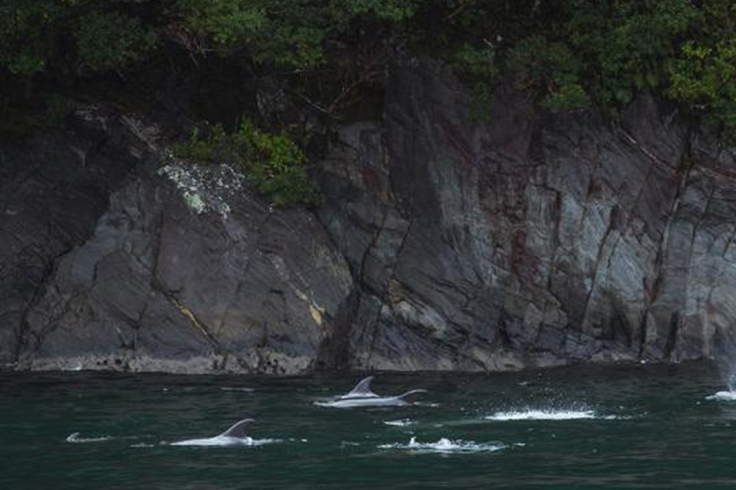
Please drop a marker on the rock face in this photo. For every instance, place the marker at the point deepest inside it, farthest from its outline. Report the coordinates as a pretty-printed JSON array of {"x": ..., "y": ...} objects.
[
  {"x": 443, "y": 244},
  {"x": 50, "y": 200},
  {"x": 185, "y": 270},
  {"x": 532, "y": 240},
  {"x": 171, "y": 282}
]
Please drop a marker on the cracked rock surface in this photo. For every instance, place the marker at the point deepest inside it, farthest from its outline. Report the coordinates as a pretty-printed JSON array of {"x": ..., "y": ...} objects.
[
  {"x": 532, "y": 240},
  {"x": 179, "y": 269}
]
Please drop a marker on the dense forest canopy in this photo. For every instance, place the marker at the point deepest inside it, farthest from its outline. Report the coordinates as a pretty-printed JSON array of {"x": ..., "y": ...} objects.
[{"x": 571, "y": 54}]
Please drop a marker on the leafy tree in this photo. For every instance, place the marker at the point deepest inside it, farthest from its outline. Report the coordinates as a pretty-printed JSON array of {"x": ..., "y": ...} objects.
[
  {"x": 24, "y": 47},
  {"x": 573, "y": 54},
  {"x": 112, "y": 40}
]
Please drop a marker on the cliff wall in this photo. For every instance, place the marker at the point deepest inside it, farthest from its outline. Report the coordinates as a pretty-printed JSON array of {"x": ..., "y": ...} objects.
[{"x": 532, "y": 240}]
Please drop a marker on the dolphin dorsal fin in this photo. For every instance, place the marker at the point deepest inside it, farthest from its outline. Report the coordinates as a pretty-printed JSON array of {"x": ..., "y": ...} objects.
[
  {"x": 362, "y": 389},
  {"x": 409, "y": 396},
  {"x": 237, "y": 430}
]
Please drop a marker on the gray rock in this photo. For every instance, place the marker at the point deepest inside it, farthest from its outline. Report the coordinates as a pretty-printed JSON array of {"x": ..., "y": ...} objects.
[
  {"x": 52, "y": 192},
  {"x": 168, "y": 282},
  {"x": 533, "y": 240}
]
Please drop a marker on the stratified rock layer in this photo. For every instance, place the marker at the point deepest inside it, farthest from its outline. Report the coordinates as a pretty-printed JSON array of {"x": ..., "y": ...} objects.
[{"x": 443, "y": 244}]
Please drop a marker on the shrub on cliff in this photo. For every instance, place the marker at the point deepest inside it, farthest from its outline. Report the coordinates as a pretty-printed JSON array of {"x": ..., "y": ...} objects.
[{"x": 273, "y": 163}]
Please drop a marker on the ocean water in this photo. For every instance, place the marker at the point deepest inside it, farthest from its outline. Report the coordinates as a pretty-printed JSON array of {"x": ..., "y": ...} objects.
[{"x": 619, "y": 427}]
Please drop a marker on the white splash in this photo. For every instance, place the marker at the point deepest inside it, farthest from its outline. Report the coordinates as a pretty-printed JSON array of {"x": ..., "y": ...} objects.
[
  {"x": 236, "y": 388},
  {"x": 74, "y": 438},
  {"x": 445, "y": 445},
  {"x": 723, "y": 396},
  {"x": 530, "y": 414},
  {"x": 399, "y": 423}
]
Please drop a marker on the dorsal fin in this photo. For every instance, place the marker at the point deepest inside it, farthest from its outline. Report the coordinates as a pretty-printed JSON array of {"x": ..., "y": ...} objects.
[
  {"x": 362, "y": 389},
  {"x": 410, "y": 396},
  {"x": 237, "y": 430}
]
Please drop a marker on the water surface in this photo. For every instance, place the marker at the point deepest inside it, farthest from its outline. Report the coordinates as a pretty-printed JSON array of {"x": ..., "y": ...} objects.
[{"x": 619, "y": 427}]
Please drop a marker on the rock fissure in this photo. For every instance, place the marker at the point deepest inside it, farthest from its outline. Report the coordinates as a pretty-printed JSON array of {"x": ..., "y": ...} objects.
[{"x": 195, "y": 322}]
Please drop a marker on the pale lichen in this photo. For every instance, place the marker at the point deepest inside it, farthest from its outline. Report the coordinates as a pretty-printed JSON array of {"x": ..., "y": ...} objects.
[
  {"x": 194, "y": 202},
  {"x": 205, "y": 188}
]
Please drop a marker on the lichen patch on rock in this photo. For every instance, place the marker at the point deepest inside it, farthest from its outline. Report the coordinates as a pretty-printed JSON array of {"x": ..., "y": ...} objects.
[{"x": 205, "y": 188}]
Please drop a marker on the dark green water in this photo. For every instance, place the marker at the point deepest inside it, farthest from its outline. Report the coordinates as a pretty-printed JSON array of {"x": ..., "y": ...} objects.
[{"x": 647, "y": 428}]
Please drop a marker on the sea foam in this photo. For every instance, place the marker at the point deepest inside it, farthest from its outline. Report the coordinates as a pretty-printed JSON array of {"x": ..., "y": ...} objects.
[
  {"x": 531, "y": 414},
  {"x": 723, "y": 396},
  {"x": 445, "y": 445},
  {"x": 399, "y": 423},
  {"x": 74, "y": 438}
]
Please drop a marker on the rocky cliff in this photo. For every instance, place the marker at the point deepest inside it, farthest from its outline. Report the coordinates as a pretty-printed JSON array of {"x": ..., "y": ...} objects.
[{"x": 532, "y": 240}]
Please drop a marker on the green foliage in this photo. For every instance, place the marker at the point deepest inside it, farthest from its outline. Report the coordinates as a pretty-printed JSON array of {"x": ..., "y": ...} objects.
[
  {"x": 477, "y": 66},
  {"x": 624, "y": 46},
  {"x": 568, "y": 97},
  {"x": 112, "y": 40},
  {"x": 226, "y": 22},
  {"x": 476, "y": 63},
  {"x": 213, "y": 146},
  {"x": 551, "y": 69},
  {"x": 25, "y": 63},
  {"x": 34, "y": 33},
  {"x": 603, "y": 52},
  {"x": 23, "y": 51},
  {"x": 396, "y": 11},
  {"x": 286, "y": 33},
  {"x": 274, "y": 163},
  {"x": 283, "y": 32},
  {"x": 572, "y": 54},
  {"x": 703, "y": 76}
]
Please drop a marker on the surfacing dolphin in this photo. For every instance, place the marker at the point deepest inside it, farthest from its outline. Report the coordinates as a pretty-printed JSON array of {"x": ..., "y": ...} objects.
[
  {"x": 234, "y": 436},
  {"x": 362, "y": 396},
  {"x": 361, "y": 390}
]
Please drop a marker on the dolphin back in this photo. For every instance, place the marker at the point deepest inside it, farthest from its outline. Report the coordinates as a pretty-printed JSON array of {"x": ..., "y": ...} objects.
[
  {"x": 238, "y": 430},
  {"x": 411, "y": 396},
  {"x": 362, "y": 389}
]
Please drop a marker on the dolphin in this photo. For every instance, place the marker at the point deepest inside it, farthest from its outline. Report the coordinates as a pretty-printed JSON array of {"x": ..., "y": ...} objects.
[
  {"x": 376, "y": 401},
  {"x": 361, "y": 390},
  {"x": 234, "y": 436},
  {"x": 362, "y": 396}
]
